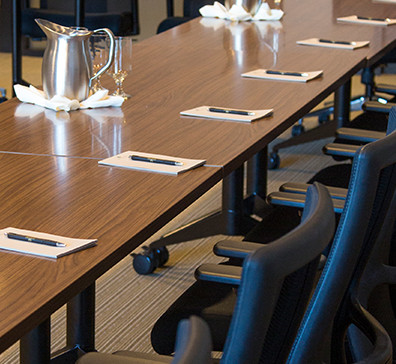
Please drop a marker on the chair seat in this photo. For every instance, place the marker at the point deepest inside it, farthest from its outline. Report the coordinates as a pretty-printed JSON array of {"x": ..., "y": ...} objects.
[{"x": 212, "y": 301}]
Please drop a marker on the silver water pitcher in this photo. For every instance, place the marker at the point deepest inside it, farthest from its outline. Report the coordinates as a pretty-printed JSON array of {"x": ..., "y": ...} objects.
[
  {"x": 67, "y": 64},
  {"x": 251, "y": 6}
]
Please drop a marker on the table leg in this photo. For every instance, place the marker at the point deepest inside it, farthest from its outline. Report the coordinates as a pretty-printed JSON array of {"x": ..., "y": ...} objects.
[
  {"x": 81, "y": 320},
  {"x": 35, "y": 347},
  {"x": 257, "y": 174},
  {"x": 230, "y": 220},
  {"x": 341, "y": 109},
  {"x": 342, "y": 104}
]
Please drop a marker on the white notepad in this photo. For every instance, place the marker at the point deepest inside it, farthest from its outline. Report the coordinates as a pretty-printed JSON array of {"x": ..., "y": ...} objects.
[
  {"x": 372, "y": 21},
  {"x": 203, "y": 112},
  {"x": 123, "y": 160},
  {"x": 385, "y": 1},
  {"x": 317, "y": 43},
  {"x": 283, "y": 76},
  {"x": 72, "y": 245}
]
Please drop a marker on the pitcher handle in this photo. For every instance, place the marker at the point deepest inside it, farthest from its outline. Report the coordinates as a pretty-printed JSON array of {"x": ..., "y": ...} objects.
[{"x": 111, "y": 54}]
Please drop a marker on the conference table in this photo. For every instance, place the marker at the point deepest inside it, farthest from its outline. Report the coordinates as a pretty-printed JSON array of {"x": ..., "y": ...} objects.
[{"x": 51, "y": 180}]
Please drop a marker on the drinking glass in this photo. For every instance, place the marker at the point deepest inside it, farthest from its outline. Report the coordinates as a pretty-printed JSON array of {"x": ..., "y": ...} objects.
[
  {"x": 99, "y": 45},
  {"x": 122, "y": 64}
]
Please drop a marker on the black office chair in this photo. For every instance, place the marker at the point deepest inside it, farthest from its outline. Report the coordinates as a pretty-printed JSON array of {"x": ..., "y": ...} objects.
[
  {"x": 120, "y": 16},
  {"x": 190, "y": 11},
  {"x": 257, "y": 316},
  {"x": 367, "y": 215},
  {"x": 370, "y": 283},
  {"x": 193, "y": 346}
]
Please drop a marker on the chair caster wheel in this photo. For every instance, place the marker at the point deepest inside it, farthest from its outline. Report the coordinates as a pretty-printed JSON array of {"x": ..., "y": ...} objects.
[
  {"x": 163, "y": 255},
  {"x": 323, "y": 118},
  {"x": 273, "y": 161},
  {"x": 297, "y": 130},
  {"x": 146, "y": 262}
]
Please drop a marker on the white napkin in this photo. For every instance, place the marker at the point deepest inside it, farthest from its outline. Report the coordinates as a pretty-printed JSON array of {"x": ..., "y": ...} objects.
[
  {"x": 35, "y": 96},
  {"x": 238, "y": 13}
]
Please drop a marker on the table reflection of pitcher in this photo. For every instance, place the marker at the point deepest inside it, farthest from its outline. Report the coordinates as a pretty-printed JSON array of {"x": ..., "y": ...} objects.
[{"x": 67, "y": 64}]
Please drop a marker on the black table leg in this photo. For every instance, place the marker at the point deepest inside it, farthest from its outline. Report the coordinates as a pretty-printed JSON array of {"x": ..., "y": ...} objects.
[
  {"x": 256, "y": 188},
  {"x": 35, "y": 346},
  {"x": 230, "y": 220},
  {"x": 80, "y": 326}
]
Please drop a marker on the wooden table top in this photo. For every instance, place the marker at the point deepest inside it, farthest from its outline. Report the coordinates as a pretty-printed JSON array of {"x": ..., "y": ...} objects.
[
  {"x": 77, "y": 198},
  {"x": 200, "y": 63}
]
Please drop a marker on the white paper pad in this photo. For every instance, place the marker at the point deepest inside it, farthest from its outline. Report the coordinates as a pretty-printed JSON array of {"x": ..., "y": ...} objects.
[
  {"x": 315, "y": 42},
  {"x": 72, "y": 245},
  {"x": 262, "y": 73},
  {"x": 354, "y": 19},
  {"x": 123, "y": 160},
  {"x": 385, "y": 1},
  {"x": 203, "y": 112}
]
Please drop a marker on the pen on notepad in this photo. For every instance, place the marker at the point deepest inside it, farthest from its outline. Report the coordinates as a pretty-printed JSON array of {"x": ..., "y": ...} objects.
[
  {"x": 284, "y": 73},
  {"x": 155, "y": 160},
  {"x": 228, "y": 111},
  {"x": 336, "y": 42},
  {"x": 374, "y": 19},
  {"x": 30, "y": 239}
]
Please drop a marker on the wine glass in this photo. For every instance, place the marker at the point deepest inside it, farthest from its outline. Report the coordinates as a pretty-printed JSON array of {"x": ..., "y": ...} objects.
[
  {"x": 100, "y": 54},
  {"x": 122, "y": 63}
]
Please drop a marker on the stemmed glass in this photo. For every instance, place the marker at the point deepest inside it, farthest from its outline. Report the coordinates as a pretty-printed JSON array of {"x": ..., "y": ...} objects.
[
  {"x": 122, "y": 64},
  {"x": 100, "y": 52}
]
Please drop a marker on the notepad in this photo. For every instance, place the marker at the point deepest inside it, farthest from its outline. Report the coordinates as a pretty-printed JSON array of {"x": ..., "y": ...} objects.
[
  {"x": 283, "y": 75},
  {"x": 123, "y": 160},
  {"x": 354, "y": 19},
  {"x": 72, "y": 244},
  {"x": 204, "y": 112},
  {"x": 333, "y": 43}
]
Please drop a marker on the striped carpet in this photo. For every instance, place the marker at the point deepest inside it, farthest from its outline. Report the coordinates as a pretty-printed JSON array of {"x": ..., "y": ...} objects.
[{"x": 129, "y": 304}]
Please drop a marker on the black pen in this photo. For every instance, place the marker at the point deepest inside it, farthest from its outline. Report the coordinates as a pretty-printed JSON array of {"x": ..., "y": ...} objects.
[
  {"x": 228, "y": 111},
  {"x": 155, "y": 160},
  {"x": 30, "y": 239},
  {"x": 284, "y": 73},
  {"x": 336, "y": 42},
  {"x": 375, "y": 19}
]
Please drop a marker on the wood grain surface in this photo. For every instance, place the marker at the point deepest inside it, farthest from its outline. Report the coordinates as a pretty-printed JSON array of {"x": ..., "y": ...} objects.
[
  {"x": 77, "y": 198},
  {"x": 200, "y": 63}
]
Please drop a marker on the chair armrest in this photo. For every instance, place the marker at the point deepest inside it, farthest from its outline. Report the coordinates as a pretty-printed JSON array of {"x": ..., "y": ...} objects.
[
  {"x": 227, "y": 274},
  {"x": 360, "y": 135},
  {"x": 235, "y": 249},
  {"x": 295, "y": 187},
  {"x": 377, "y": 106},
  {"x": 388, "y": 89},
  {"x": 298, "y": 200},
  {"x": 345, "y": 150}
]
